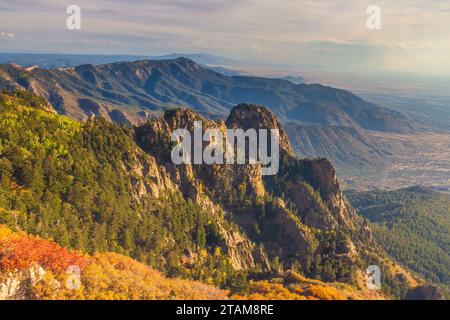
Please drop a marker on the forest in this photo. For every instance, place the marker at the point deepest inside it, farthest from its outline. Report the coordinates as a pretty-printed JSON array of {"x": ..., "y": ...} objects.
[
  {"x": 413, "y": 225},
  {"x": 74, "y": 183}
]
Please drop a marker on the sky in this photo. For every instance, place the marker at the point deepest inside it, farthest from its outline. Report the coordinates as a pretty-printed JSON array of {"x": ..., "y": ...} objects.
[{"x": 325, "y": 35}]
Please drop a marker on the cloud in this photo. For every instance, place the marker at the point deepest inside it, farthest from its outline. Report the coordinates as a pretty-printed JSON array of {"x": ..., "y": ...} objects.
[
  {"x": 101, "y": 42},
  {"x": 291, "y": 31},
  {"x": 7, "y": 36}
]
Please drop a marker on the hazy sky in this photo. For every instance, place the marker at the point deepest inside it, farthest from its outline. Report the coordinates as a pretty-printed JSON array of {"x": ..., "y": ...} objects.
[{"x": 313, "y": 34}]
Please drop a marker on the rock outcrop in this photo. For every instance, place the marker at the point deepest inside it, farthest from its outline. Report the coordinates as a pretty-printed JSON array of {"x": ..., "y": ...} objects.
[
  {"x": 294, "y": 210},
  {"x": 17, "y": 285}
]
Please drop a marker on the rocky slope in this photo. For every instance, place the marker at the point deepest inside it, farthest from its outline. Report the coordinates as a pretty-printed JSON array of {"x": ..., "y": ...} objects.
[
  {"x": 296, "y": 216},
  {"x": 352, "y": 149},
  {"x": 117, "y": 189}
]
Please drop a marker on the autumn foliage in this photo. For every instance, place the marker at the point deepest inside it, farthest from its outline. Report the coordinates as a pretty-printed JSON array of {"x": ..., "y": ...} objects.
[
  {"x": 106, "y": 276},
  {"x": 293, "y": 286},
  {"x": 267, "y": 290},
  {"x": 111, "y": 276},
  {"x": 19, "y": 251}
]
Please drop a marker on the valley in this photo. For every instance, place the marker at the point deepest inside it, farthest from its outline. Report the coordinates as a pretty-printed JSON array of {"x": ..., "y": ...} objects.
[{"x": 416, "y": 160}]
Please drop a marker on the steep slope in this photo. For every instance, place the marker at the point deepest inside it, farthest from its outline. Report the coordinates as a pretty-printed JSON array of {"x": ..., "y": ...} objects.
[
  {"x": 349, "y": 148},
  {"x": 90, "y": 187},
  {"x": 298, "y": 217},
  {"x": 413, "y": 226},
  {"x": 97, "y": 186}
]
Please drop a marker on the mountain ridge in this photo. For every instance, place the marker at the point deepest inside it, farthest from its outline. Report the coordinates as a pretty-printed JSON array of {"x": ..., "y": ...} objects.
[
  {"x": 163, "y": 80},
  {"x": 52, "y": 61},
  {"x": 133, "y": 92},
  {"x": 116, "y": 189}
]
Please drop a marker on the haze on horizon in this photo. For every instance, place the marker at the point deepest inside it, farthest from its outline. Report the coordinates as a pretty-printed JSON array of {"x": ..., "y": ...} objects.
[{"x": 313, "y": 35}]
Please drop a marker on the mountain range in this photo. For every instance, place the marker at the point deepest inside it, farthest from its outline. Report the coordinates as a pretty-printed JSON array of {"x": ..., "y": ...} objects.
[
  {"x": 51, "y": 61},
  {"x": 321, "y": 120},
  {"x": 97, "y": 186}
]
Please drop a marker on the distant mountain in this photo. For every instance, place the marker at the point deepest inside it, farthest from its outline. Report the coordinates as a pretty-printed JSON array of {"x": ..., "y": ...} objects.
[
  {"x": 294, "y": 79},
  {"x": 200, "y": 58},
  {"x": 226, "y": 71},
  {"x": 432, "y": 111},
  {"x": 161, "y": 84},
  {"x": 51, "y": 61},
  {"x": 413, "y": 225},
  {"x": 130, "y": 92}
]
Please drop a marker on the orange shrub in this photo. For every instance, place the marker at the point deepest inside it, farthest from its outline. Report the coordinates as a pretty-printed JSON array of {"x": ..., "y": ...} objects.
[
  {"x": 20, "y": 251},
  {"x": 265, "y": 290},
  {"x": 325, "y": 293}
]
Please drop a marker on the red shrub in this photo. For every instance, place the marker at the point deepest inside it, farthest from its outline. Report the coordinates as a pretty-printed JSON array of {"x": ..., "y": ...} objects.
[{"x": 22, "y": 252}]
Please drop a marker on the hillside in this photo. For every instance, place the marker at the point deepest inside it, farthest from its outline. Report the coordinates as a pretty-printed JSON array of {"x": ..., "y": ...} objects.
[
  {"x": 39, "y": 269},
  {"x": 413, "y": 225},
  {"x": 353, "y": 149},
  {"x": 99, "y": 187},
  {"x": 34, "y": 268}
]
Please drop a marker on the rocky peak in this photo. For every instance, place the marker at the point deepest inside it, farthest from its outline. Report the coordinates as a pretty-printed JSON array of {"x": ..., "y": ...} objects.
[
  {"x": 154, "y": 137},
  {"x": 182, "y": 118},
  {"x": 185, "y": 62},
  {"x": 246, "y": 116}
]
